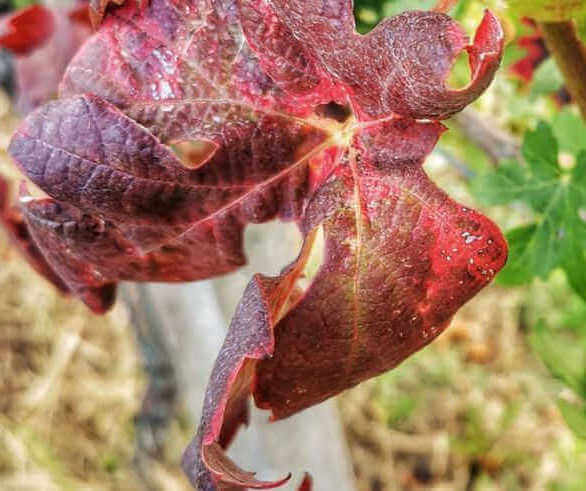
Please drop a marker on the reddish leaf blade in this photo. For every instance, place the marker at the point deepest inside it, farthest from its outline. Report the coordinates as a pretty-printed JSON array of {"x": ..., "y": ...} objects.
[
  {"x": 536, "y": 53},
  {"x": 90, "y": 254},
  {"x": 231, "y": 475},
  {"x": 306, "y": 484},
  {"x": 181, "y": 82},
  {"x": 400, "y": 259},
  {"x": 376, "y": 84},
  {"x": 39, "y": 73},
  {"x": 94, "y": 159},
  {"x": 287, "y": 60},
  {"x": 15, "y": 226},
  {"x": 307, "y": 121},
  {"x": 101, "y": 161},
  {"x": 250, "y": 338},
  {"x": 25, "y": 30}
]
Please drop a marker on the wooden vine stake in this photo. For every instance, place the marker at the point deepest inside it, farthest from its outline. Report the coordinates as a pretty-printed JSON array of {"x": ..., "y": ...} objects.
[{"x": 570, "y": 55}]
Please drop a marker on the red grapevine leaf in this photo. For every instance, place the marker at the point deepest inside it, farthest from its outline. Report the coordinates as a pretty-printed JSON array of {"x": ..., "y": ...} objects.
[
  {"x": 135, "y": 194},
  {"x": 38, "y": 73},
  {"x": 25, "y": 30},
  {"x": 94, "y": 160},
  {"x": 99, "y": 160},
  {"x": 192, "y": 77},
  {"x": 306, "y": 484},
  {"x": 400, "y": 259},
  {"x": 303, "y": 119},
  {"x": 15, "y": 226},
  {"x": 286, "y": 59},
  {"x": 190, "y": 71},
  {"x": 90, "y": 254},
  {"x": 230, "y": 474},
  {"x": 537, "y": 53},
  {"x": 249, "y": 339},
  {"x": 423, "y": 45}
]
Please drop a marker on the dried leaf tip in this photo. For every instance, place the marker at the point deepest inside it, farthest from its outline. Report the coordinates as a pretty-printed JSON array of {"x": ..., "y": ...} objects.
[{"x": 229, "y": 473}]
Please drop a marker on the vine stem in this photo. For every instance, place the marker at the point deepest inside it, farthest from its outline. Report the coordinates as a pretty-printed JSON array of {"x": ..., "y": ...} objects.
[
  {"x": 484, "y": 132},
  {"x": 570, "y": 55},
  {"x": 444, "y": 6}
]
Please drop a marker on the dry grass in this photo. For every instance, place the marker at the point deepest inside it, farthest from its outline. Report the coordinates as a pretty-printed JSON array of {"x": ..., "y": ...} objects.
[
  {"x": 70, "y": 382},
  {"x": 69, "y": 387}
]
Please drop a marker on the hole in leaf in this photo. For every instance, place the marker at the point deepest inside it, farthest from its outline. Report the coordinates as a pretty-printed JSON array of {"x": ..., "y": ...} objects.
[
  {"x": 460, "y": 75},
  {"x": 267, "y": 246},
  {"x": 369, "y": 13},
  {"x": 314, "y": 262},
  {"x": 367, "y": 16},
  {"x": 194, "y": 154},
  {"x": 311, "y": 259},
  {"x": 334, "y": 111}
]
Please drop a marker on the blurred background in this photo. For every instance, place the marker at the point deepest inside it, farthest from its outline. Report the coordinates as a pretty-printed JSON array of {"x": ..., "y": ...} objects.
[{"x": 496, "y": 403}]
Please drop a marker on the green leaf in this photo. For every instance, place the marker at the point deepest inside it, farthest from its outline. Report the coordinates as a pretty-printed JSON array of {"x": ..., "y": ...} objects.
[
  {"x": 20, "y": 4},
  {"x": 574, "y": 264},
  {"x": 461, "y": 9},
  {"x": 581, "y": 28},
  {"x": 513, "y": 182},
  {"x": 579, "y": 173},
  {"x": 548, "y": 10},
  {"x": 540, "y": 150},
  {"x": 546, "y": 80},
  {"x": 573, "y": 244},
  {"x": 395, "y": 7},
  {"x": 575, "y": 417},
  {"x": 570, "y": 131},
  {"x": 562, "y": 356},
  {"x": 518, "y": 270},
  {"x": 508, "y": 183},
  {"x": 513, "y": 54},
  {"x": 534, "y": 251},
  {"x": 574, "y": 240},
  {"x": 370, "y": 12},
  {"x": 557, "y": 237}
]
